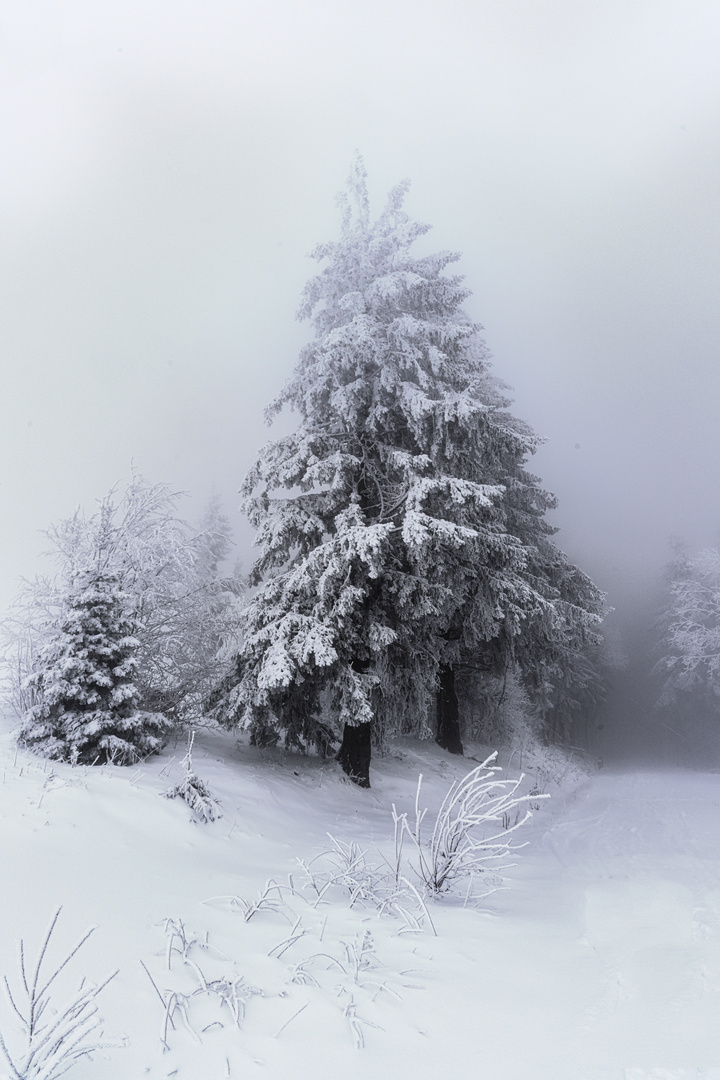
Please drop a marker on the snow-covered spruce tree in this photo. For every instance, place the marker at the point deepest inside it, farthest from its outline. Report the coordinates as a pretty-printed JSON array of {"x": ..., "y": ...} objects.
[
  {"x": 399, "y": 532},
  {"x": 86, "y": 701}
]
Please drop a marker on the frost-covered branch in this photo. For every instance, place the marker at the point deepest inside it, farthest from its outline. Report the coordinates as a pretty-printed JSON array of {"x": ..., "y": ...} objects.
[{"x": 53, "y": 1037}]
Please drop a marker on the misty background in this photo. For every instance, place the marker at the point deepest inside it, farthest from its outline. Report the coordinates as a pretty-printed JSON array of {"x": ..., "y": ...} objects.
[{"x": 167, "y": 167}]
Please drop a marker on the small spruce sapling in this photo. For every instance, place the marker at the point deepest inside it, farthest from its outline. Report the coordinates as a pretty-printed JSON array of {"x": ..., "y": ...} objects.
[
  {"x": 176, "y": 592},
  {"x": 85, "y": 697},
  {"x": 195, "y": 791}
]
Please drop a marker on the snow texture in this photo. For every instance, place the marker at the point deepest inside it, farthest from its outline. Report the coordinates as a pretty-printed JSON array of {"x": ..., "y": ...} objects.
[{"x": 599, "y": 961}]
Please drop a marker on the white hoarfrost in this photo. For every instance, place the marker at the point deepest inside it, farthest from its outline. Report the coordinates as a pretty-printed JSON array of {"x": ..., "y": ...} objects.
[{"x": 55, "y": 1036}]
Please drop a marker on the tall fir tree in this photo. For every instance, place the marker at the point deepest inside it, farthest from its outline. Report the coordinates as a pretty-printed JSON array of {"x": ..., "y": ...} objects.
[
  {"x": 85, "y": 695},
  {"x": 400, "y": 535}
]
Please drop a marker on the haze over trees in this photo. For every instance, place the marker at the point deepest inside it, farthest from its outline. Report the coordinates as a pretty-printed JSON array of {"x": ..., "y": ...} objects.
[
  {"x": 407, "y": 580},
  {"x": 687, "y": 671},
  {"x": 693, "y": 623},
  {"x": 405, "y": 555}
]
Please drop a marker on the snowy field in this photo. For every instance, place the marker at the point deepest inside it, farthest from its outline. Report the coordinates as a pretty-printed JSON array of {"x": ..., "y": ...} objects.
[{"x": 599, "y": 961}]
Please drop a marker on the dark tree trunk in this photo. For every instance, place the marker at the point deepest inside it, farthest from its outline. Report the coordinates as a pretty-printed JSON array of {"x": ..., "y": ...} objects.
[
  {"x": 448, "y": 712},
  {"x": 354, "y": 753}
]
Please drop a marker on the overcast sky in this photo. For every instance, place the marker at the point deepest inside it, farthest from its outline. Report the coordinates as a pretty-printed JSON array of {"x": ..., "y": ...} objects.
[{"x": 168, "y": 164}]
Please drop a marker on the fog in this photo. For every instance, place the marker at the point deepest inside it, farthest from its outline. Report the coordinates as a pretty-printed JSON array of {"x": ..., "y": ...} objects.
[{"x": 168, "y": 166}]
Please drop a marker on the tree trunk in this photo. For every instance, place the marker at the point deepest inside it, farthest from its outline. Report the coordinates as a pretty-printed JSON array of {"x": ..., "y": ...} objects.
[
  {"x": 448, "y": 712},
  {"x": 354, "y": 753}
]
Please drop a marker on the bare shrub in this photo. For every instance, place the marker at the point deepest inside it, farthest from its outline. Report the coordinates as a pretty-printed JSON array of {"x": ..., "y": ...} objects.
[
  {"x": 347, "y": 869},
  {"x": 463, "y": 843}
]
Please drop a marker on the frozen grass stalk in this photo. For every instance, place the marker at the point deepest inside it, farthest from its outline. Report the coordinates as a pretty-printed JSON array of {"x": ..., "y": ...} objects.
[
  {"x": 231, "y": 991},
  {"x": 55, "y": 1037}
]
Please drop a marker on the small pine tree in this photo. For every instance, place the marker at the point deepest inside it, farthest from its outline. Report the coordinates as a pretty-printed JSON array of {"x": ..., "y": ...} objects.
[{"x": 85, "y": 698}]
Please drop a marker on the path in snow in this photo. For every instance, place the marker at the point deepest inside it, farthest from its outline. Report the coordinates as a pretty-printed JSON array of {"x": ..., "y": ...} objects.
[{"x": 614, "y": 917}]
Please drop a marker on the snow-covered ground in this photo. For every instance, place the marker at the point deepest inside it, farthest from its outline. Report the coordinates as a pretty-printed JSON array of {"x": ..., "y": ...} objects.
[{"x": 600, "y": 961}]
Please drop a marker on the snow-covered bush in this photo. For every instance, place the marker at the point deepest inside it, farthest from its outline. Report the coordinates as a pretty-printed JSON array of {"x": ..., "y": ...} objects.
[
  {"x": 472, "y": 830},
  {"x": 85, "y": 697},
  {"x": 472, "y": 835},
  {"x": 54, "y": 1037}
]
